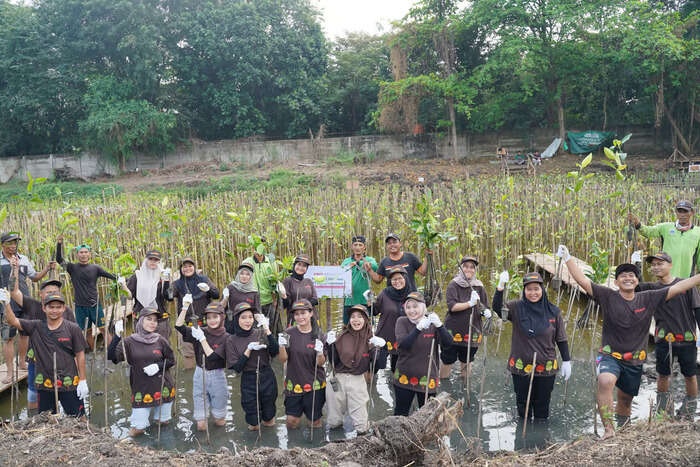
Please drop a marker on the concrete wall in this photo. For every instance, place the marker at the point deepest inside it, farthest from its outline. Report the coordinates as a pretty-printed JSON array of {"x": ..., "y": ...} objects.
[{"x": 254, "y": 152}]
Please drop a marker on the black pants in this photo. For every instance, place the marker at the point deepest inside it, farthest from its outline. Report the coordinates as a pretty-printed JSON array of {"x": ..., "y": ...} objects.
[
  {"x": 68, "y": 399},
  {"x": 403, "y": 398},
  {"x": 381, "y": 360},
  {"x": 267, "y": 395},
  {"x": 542, "y": 387}
]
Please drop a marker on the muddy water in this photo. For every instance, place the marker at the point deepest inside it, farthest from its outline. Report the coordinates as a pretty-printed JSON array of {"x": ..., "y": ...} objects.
[{"x": 500, "y": 428}]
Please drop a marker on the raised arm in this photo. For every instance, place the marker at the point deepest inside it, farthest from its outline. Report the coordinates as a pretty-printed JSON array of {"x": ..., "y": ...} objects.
[
  {"x": 9, "y": 314},
  {"x": 13, "y": 284},
  {"x": 682, "y": 286},
  {"x": 574, "y": 270}
]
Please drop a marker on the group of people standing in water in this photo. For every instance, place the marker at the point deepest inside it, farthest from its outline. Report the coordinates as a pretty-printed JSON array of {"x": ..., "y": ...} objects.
[{"x": 232, "y": 330}]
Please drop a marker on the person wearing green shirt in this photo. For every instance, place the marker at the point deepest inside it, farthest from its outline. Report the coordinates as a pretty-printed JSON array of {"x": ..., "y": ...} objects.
[
  {"x": 681, "y": 240},
  {"x": 361, "y": 266},
  {"x": 264, "y": 266}
]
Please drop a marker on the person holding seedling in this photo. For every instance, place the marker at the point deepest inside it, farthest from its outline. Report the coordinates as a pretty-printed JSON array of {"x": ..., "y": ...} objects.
[
  {"x": 149, "y": 357},
  {"x": 626, "y": 319},
  {"x": 84, "y": 276},
  {"x": 193, "y": 291},
  {"x": 467, "y": 302},
  {"x": 264, "y": 267},
  {"x": 241, "y": 290},
  {"x": 150, "y": 286},
  {"x": 59, "y": 354},
  {"x": 351, "y": 353},
  {"x": 249, "y": 351},
  {"x": 207, "y": 341},
  {"x": 33, "y": 309},
  {"x": 361, "y": 265},
  {"x": 418, "y": 334},
  {"x": 538, "y": 330},
  {"x": 302, "y": 349},
  {"x": 389, "y": 305},
  {"x": 296, "y": 286},
  {"x": 9, "y": 243},
  {"x": 675, "y": 325},
  {"x": 397, "y": 257},
  {"x": 680, "y": 239}
]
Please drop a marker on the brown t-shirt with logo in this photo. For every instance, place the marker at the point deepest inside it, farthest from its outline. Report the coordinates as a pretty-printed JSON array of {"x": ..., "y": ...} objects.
[
  {"x": 412, "y": 365},
  {"x": 217, "y": 344},
  {"x": 67, "y": 336},
  {"x": 675, "y": 319},
  {"x": 235, "y": 297},
  {"x": 146, "y": 390},
  {"x": 523, "y": 347},
  {"x": 302, "y": 371},
  {"x": 237, "y": 345},
  {"x": 626, "y": 322},
  {"x": 457, "y": 322},
  {"x": 32, "y": 309},
  {"x": 386, "y": 327}
]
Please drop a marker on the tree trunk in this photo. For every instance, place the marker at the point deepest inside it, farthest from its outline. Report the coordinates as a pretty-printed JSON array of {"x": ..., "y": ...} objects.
[
  {"x": 658, "y": 118},
  {"x": 677, "y": 131},
  {"x": 605, "y": 110},
  {"x": 122, "y": 163},
  {"x": 560, "y": 116},
  {"x": 453, "y": 129}
]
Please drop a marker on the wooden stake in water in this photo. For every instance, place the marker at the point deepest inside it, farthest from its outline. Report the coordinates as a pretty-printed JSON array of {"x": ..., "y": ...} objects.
[
  {"x": 481, "y": 390},
  {"x": 469, "y": 343},
  {"x": 257, "y": 394},
  {"x": 160, "y": 402},
  {"x": 529, "y": 393},
  {"x": 430, "y": 367},
  {"x": 55, "y": 386}
]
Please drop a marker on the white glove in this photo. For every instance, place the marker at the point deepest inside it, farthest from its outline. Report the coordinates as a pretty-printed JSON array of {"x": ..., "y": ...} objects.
[
  {"x": 256, "y": 346},
  {"x": 281, "y": 290},
  {"x": 423, "y": 324},
  {"x": 473, "y": 299},
  {"x": 121, "y": 280},
  {"x": 563, "y": 253},
  {"x": 503, "y": 279},
  {"x": 330, "y": 337},
  {"x": 165, "y": 274},
  {"x": 486, "y": 313},
  {"x": 435, "y": 320},
  {"x": 151, "y": 369},
  {"x": 187, "y": 300},
  {"x": 83, "y": 390},
  {"x": 318, "y": 347},
  {"x": 636, "y": 257},
  {"x": 263, "y": 321},
  {"x": 198, "y": 334},
  {"x": 281, "y": 340},
  {"x": 4, "y": 296},
  {"x": 225, "y": 293},
  {"x": 119, "y": 327},
  {"x": 377, "y": 341},
  {"x": 367, "y": 295},
  {"x": 203, "y": 286},
  {"x": 566, "y": 370}
]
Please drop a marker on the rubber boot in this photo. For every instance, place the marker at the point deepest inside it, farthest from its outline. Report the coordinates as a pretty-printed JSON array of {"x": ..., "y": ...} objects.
[
  {"x": 662, "y": 399},
  {"x": 621, "y": 420},
  {"x": 688, "y": 408}
]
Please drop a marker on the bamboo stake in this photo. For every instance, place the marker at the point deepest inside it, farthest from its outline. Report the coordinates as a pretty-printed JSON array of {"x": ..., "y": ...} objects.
[
  {"x": 481, "y": 390},
  {"x": 529, "y": 393},
  {"x": 160, "y": 402},
  {"x": 55, "y": 386},
  {"x": 430, "y": 367},
  {"x": 468, "y": 376}
]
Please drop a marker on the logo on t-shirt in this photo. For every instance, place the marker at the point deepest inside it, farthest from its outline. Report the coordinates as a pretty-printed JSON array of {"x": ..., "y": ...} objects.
[
  {"x": 64, "y": 339},
  {"x": 639, "y": 310},
  {"x": 429, "y": 336},
  {"x": 157, "y": 352},
  {"x": 310, "y": 346}
]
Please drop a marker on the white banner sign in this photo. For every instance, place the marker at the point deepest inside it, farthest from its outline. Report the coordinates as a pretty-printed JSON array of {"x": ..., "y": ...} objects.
[{"x": 330, "y": 281}]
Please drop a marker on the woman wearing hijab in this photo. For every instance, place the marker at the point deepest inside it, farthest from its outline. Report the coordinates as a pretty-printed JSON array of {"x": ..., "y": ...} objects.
[
  {"x": 537, "y": 327},
  {"x": 351, "y": 353},
  {"x": 298, "y": 287},
  {"x": 241, "y": 290},
  {"x": 149, "y": 287},
  {"x": 148, "y": 355},
  {"x": 390, "y": 304},
  {"x": 417, "y": 333},
  {"x": 194, "y": 292},
  {"x": 208, "y": 340},
  {"x": 466, "y": 302},
  {"x": 250, "y": 349}
]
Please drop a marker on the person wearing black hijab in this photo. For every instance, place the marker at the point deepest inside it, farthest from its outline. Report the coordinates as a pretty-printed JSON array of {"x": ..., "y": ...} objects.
[
  {"x": 390, "y": 305},
  {"x": 538, "y": 327}
]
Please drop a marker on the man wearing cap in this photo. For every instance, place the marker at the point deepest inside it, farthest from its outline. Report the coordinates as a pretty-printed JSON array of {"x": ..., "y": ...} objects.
[
  {"x": 55, "y": 340},
  {"x": 680, "y": 240},
  {"x": 361, "y": 266},
  {"x": 675, "y": 325},
  {"x": 84, "y": 275},
  {"x": 32, "y": 309},
  {"x": 9, "y": 243},
  {"x": 626, "y": 319},
  {"x": 397, "y": 257}
]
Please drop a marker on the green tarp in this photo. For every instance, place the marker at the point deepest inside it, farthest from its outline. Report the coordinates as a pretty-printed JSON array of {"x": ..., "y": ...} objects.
[{"x": 588, "y": 141}]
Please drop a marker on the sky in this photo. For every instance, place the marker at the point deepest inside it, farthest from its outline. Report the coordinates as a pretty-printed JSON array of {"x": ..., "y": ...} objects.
[{"x": 340, "y": 16}]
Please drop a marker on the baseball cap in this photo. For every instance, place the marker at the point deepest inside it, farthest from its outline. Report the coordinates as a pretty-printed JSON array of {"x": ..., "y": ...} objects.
[
  {"x": 662, "y": 255},
  {"x": 390, "y": 236},
  {"x": 54, "y": 298},
  {"x": 531, "y": 277},
  {"x": 685, "y": 204}
]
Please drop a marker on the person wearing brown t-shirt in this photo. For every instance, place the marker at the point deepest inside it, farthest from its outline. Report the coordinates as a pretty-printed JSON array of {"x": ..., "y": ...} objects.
[
  {"x": 626, "y": 319},
  {"x": 538, "y": 327},
  {"x": 297, "y": 287},
  {"x": 241, "y": 290},
  {"x": 389, "y": 305},
  {"x": 149, "y": 357},
  {"x": 675, "y": 325},
  {"x": 417, "y": 333},
  {"x": 351, "y": 353},
  {"x": 303, "y": 350},
  {"x": 249, "y": 350},
  {"x": 56, "y": 339},
  {"x": 467, "y": 302}
]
